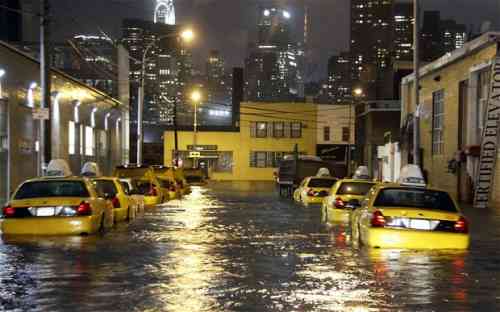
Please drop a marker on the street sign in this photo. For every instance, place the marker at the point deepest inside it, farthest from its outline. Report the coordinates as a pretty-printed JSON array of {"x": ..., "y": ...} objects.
[
  {"x": 194, "y": 154},
  {"x": 40, "y": 113}
]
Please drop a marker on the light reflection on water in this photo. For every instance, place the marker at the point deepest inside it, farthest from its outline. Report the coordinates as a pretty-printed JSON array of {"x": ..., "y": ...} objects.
[{"x": 236, "y": 247}]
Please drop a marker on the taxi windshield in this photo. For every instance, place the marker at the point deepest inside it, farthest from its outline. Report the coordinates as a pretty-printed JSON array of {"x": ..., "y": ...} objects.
[
  {"x": 321, "y": 183},
  {"x": 415, "y": 198},
  {"x": 52, "y": 189},
  {"x": 355, "y": 188}
]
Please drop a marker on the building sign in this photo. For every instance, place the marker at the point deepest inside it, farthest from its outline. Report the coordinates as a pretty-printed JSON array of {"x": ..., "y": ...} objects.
[
  {"x": 334, "y": 152},
  {"x": 202, "y": 148},
  {"x": 194, "y": 154},
  {"x": 489, "y": 142},
  {"x": 41, "y": 113}
]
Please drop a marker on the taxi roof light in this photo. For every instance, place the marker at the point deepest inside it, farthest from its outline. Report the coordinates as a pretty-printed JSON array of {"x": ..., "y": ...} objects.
[
  {"x": 90, "y": 169},
  {"x": 411, "y": 175},
  {"x": 323, "y": 172},
  {"x": 361, "y": 173},
  {"x": 58, "y": 168}
]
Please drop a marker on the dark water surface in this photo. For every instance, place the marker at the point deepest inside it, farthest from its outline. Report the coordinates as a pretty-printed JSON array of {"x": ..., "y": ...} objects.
[{"x": 237, "y": 247}]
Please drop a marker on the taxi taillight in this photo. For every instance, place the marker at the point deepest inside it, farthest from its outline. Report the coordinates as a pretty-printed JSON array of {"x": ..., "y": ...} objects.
[
  {"x": 153, "y": 191},
  {"x": 462, "y": 225},
  {"x": 84, "y": 209},
  {"x": 116, "y": 202},
  {"x": 339, "y": 203},
  {"x": 310, "y": 192},
  {"x": 378, "y": 219},
  {"x": 9, "y": 211}
]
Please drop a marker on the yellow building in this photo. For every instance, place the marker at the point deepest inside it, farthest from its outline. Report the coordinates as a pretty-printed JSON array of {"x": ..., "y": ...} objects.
[
  {"x": 453, "y": 97},
  {"x": 268, "y": 131}
]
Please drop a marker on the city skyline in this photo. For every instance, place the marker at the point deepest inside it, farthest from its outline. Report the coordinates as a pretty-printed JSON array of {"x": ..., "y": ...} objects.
[{"x": 209, "y": 17}]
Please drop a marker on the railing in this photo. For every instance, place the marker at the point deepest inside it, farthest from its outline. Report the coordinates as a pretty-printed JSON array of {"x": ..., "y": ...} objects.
[{"x": 366, "y": 107}]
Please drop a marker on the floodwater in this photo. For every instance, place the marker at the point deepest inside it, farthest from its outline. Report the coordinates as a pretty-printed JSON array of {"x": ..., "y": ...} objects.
[{"x": 238, "y": 247}]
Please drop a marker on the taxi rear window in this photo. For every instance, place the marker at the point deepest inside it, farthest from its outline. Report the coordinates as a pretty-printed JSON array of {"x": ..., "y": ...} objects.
[
  {"x": 355, "y": 188},
  {"x": 38, "y": 189},
  {"x": 415, "y": 198},
  {"x": 321, "y": 182},
  {"x": 104, "y": 187}
]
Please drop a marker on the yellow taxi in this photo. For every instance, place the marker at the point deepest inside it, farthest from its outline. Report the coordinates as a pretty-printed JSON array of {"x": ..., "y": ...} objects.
[
  {"x": 313, "y": 190},
  {"x": 166, "y": 177},
  {"x": 145, "y": 181},
  {"x": 344, "y": 196},
  {"x": 194, "y": 176},
  {"x": 409, "y": 215},
  {"x": 131, "y": 190},
  {"x": 181, "y": 181},
  {"x": 56, "y": 205},
  {"x": 124, "y": 207}
]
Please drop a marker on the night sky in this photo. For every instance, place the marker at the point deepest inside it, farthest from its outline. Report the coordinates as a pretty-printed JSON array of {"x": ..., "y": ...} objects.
[{"x": 228, "y": 25}]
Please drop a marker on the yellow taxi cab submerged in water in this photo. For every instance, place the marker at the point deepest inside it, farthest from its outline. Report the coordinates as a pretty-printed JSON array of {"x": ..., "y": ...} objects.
[
  {"x": 312, "y": 190},
  {"x": 344, "y": 195},
  {"x": 56, "y": 206},
  {"x": 144, "y": 180},
  {"x": 124, "y": 207},
  {"x": 409, "y": 216}
]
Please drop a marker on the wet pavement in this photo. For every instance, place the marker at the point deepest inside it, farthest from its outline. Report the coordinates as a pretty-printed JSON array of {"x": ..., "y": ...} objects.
[{"x": 237, "y": 247}]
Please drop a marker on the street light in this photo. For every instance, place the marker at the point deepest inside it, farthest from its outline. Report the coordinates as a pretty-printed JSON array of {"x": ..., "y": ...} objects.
[
  {"x": 186, "y": 35},
  {"x": 196, "y": 98},
  {"x": 2, "y": 73}
]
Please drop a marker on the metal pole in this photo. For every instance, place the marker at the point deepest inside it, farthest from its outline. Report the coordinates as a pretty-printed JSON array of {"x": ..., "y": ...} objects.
[
  {"x": 140, "y": 107},
  {"x": 176, "y": 137},
  {"x": 44, "y": 83},
  {"x": 195, "y": 132},
  {"x": 416, "y": 67},
  {"x": 349, "y": 141}
]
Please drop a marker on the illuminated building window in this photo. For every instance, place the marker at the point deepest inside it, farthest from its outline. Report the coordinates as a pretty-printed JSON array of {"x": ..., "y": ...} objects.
[
  {"x": 71, "y": 138},
  {"x": 89, "y": 141}
]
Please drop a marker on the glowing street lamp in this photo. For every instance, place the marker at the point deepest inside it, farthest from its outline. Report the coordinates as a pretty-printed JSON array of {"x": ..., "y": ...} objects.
[
  {"x": 187, "y": 35},
  {"x": 358, "y": 92}
]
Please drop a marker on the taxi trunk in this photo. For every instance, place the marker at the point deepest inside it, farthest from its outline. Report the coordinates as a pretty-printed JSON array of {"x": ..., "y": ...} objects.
[
  {"x": 417, "y": 229},
  {"x": 50, "y": 216},
  {"x": 315, "y": 195},
  {"x": 340, "y": 211}
]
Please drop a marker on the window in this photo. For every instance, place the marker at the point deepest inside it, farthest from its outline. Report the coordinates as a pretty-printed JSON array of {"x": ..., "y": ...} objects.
[
  {"x": 296, "y": 130},
  {"x": 326, "y": 133},
  {"x": 89, "y": 141},
  {"x": 71, "y": 138},
  {"x": 437, "y": 122},
  {"x": 224, "y": 163},
  {"x": 279, "y": 130},
  {"x": 349, "y": 188},
  {"x": 346, "y": 134},
  {"x": 324, "y": 183},
  {"x": 260, "y": 159},
  {"x": 261, "y": 129},
  {"x": 52, "y": 188},
  {"x": 105, "y": 187},
  {"x": 415, "y": 198}
]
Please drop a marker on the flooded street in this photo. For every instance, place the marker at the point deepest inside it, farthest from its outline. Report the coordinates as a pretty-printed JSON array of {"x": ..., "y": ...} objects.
[{"x": 237, "y": 247}]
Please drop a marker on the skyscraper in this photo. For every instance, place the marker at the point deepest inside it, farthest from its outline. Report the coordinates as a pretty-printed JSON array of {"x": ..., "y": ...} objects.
[
  {"x": 164, "y": 12},
  {"x": 371, "y": 42},
  {"x": 273, "y": 64},
  {"x": 403, "y": 31},
  {"x": 339, "y": 84}
]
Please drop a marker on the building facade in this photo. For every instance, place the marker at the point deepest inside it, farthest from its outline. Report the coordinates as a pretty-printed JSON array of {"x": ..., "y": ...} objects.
[
  {"x": 268, "y": 132},
  {"x": 84, "y": 123},
  {"x": 340, "y": 79},
  {"x": 454, "y": 93}
]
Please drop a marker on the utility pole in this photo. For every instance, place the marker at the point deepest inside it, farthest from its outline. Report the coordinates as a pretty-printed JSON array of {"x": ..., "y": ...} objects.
[
  {"x": 44, "y": 128},
  {"x": 416, "y": 67},
  {"x": 176, "y": 138}
]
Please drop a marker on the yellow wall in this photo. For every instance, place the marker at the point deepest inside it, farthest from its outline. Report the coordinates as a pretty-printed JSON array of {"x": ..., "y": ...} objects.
[
  {"x": 241, "y": 144},
  {"x": 449, "y": 79}
]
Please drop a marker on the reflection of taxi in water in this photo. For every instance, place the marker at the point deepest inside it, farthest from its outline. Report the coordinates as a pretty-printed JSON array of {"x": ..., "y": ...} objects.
[
  {"x": 56, "y": 205},
  {"x": 145, "y": 181},
  {"x": 312, "y": 190},
  {"x": 194, "y": 176},
  {"x": 344, "y": 196},
  {"x": 181, "y": 181},
  {"x": 124, "y": 207},
  {"x": 409, "y": 215}
]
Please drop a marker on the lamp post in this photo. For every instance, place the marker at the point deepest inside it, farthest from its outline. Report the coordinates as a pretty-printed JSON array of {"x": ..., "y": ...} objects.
[
  {"x": 195, "y": 97},
  {"x": 357, "y": 93},
  {"x": 416, "y": 65},
  {"x": 2, "y": 73},
  {"x": 187, "y": 36}
]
